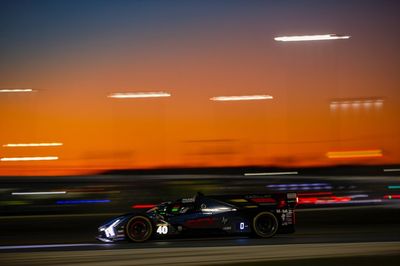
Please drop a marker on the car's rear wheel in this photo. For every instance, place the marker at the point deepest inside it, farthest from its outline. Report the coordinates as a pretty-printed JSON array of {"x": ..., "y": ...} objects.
[
  {"x": 139, "y": 229},
  {"x": 265, "y": 224}
]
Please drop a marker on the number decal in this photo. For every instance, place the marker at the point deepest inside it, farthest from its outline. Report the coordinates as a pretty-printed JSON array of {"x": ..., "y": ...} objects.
[
  {"x": 162, "y": 230},
  {"x": 241, "y": 226}
]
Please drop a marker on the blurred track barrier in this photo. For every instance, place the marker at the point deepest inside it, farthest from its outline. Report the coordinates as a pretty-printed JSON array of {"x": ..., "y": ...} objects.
[{"x": 119, "y": 193}]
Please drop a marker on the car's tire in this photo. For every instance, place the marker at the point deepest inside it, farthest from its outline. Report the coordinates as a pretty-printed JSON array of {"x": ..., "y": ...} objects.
[
  {"x": 265, "y": 224},
  {"x": 139, "y": 229}
]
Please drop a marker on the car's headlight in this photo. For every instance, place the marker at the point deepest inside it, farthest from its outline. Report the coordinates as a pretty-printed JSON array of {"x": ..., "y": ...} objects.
[{"x": 109, "y": 230}]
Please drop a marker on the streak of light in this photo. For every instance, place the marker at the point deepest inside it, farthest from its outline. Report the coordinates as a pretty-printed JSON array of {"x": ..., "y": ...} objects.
[
  {"x": 356, "y": 103},
  {"x": 393, "y": 196},
  {"x": 16, "y": 159},
  {"x": 296, "y": 185},
  {"x": 321, "y": 37},
  {"x": 16, "y": 90},
  {"x": 305, "y": 186},
  {"x": 324, "y": 200},
  {"x": 50, "y": 246},
  {"x": 356, "y": 196},
  {"x": 101, "y": 214},
  {"x": 51, "y": 144},
  {"x": 65, "y": 202},
  {"x": 242, "y": 98},
  {"x": 143, "y": 206},
  {"x": 40, "y": 193},
  {"x": 393, "y": 187},
  {"x": 238, "y": 200},
  {"x": 363, "y": 201},
  {"x": 221, "y": 209},
  {"x": 124, "y": 95},
  {"x": 331, "y": 199},
  {"x": 391, "y": 170},
  {"x": 354, "y": 154},
  {"x": 14, "y": 202},
  {"x": 271, "y": 173}
]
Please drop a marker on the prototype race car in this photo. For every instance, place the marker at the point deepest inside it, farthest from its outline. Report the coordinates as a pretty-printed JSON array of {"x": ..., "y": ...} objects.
[{"x": 256, "y": 215}]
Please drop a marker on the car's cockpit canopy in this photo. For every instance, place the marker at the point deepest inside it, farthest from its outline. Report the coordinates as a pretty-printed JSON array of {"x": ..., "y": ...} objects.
[{"x": 197, "y": 203}]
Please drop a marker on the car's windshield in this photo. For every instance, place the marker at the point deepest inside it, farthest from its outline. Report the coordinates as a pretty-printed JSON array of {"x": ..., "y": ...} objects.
[{"x": 182, "y": 205}]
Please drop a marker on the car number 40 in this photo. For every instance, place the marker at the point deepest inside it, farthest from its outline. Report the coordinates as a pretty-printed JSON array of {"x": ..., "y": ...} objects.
[{"x": 162, "y": 230}]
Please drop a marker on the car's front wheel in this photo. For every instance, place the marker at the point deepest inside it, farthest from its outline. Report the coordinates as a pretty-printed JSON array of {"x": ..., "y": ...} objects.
[
  {"x": 265, "y": 224},
  {"x": 139, "y": 229}
]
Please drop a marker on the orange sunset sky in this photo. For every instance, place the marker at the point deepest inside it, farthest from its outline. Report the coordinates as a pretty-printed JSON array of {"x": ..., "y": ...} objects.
[{"x": 73, "y": 55}]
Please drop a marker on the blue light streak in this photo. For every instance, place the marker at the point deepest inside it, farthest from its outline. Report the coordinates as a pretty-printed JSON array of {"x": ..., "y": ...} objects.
[
  {"x": 303, "y": 186},
  {"x": 65, "y": 202}
]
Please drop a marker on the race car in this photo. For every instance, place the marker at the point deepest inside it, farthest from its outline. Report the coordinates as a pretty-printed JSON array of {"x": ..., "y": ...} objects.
[{"x": 256, "y": 215}]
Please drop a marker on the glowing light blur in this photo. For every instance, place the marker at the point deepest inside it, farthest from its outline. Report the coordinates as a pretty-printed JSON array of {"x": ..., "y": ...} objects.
[
  {"x": 221, "y": 209},
  {"x": 303, "y": 186},
  {"x": 124, "y": 95},
  {"x": 272, "y": 173},
  {"x": 239, "y": 200},
  {"x": 357, "y": 196},
  {"x": 50, "y": 246},
  {"x": 321, "y": 37},
  {"x": 15, "y": 90},
  {"x": 356, "y": 104},
  {"x": 326, "y": 198},
  {"x": 242, "y": 98},
  {"x": 393, "y": 196},
  {"x": 40, "y": 193},
  {"x": 33, "y": 144},
  {"x": 391, "y": 170},
  {"x": 354, "y": 154},
  {"x": 394, "y": 187},
  {"x": 66, "y": 202},
  {"x": 16, "y": 159},
  {"x": 323, "y": 200},
  {"x": 364, "y": 201},
  {"x": 143, "y": 206}
]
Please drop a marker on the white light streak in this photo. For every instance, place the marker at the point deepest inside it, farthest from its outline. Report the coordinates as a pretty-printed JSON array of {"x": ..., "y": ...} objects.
[
  {"x": 16, "y": 90},
  {"x": 52, "y": 144},
  {"x": 242, "y": 98},
  {"x": 359, "y": 196},
  {"x": 221, "y": 209},
  {"x": 50, "y": 246},
  {"x": 391, "y": 170},
  {"x": 320, "y": 37},
  {"x": 356, "y": 104},
  {"x": 39, "y": 193},
  {"x": 16, "y": 159},
  {"x": 272, "y": 173},
  {"x": 125, "y": 95}
]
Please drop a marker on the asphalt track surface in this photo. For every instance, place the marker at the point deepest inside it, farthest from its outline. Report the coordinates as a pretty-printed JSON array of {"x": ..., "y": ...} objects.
[{"x": 324, "y": 233}]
